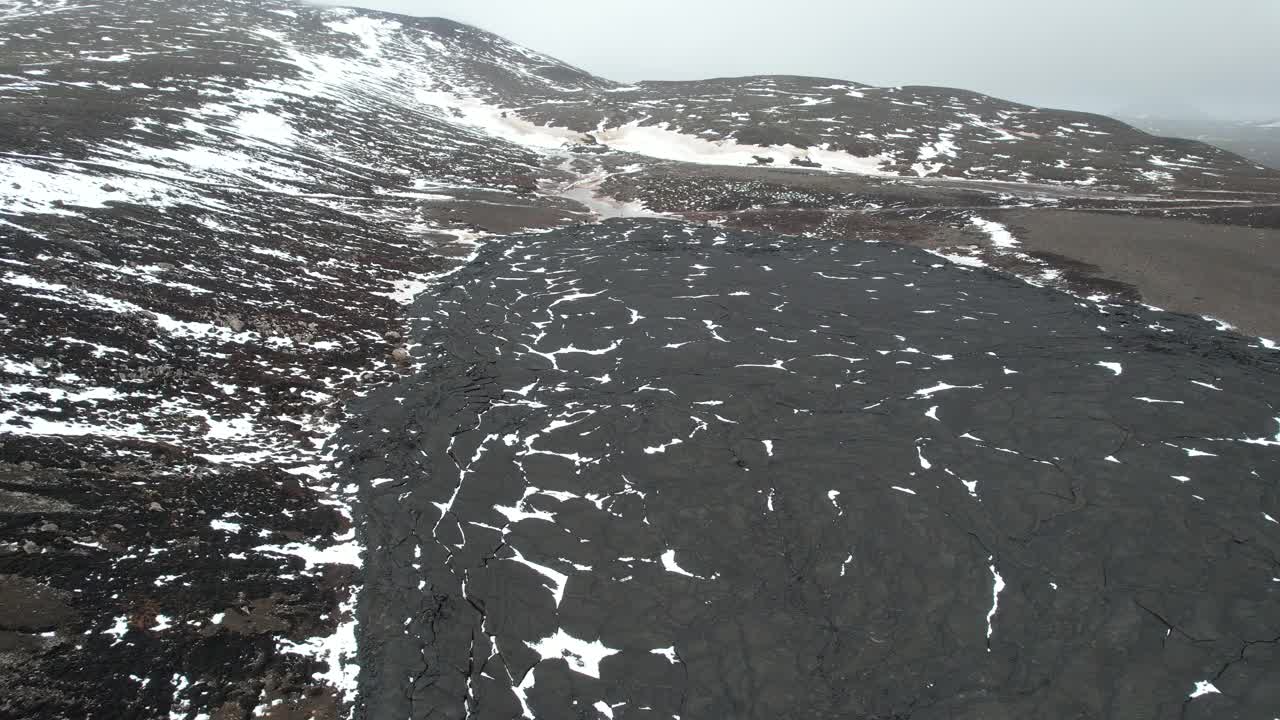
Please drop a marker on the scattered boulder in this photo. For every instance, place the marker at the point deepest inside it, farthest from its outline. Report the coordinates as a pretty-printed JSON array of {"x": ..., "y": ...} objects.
[
  {"x": 400, "y": 355},
  {"x": 257, "y": 617}
]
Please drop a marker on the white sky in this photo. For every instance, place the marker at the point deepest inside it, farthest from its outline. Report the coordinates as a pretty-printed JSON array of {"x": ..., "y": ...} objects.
[{"x": 1218, "y": 56}]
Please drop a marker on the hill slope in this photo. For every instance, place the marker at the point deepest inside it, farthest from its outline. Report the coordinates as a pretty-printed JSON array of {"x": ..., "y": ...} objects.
[{"x": 217, "y": 218}]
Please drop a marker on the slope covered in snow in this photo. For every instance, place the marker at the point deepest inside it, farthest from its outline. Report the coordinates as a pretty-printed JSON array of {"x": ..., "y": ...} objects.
[
  {"x": 909, "y": 131},
  {"x": 216, "y": 220},
  {"x": 213, "y": 216}
]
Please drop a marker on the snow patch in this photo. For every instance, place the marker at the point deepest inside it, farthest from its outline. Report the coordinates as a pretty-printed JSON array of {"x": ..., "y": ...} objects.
[
  {"x": 1116, "y": 368},
  {"x": 583, "y": 657},
  {"x": 999, "y": 234},
  {"x": 655, "y": 141},
  {"x": 1202, "y": 688},
  {"x": 997, "y": 587}
]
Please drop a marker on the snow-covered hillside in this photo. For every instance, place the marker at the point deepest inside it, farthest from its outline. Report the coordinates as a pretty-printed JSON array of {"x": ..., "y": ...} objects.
[
  {"x": 215, "y": 216},
  {"x": 909, "y": 131}
]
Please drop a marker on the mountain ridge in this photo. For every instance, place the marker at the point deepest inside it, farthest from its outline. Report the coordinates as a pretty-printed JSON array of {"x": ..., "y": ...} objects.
[
  {"x": 558, "y": 117},
  {"x": 1089, "y": 115}
]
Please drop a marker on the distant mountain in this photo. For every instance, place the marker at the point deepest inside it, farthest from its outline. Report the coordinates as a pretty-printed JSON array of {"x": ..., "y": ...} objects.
[{"x": 1257, "y": 140}]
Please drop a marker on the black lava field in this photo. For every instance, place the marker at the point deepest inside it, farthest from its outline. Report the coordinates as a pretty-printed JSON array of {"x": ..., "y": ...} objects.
[
  {"x": 667, "y": 471},
  {"x": 358, "y": 366}
]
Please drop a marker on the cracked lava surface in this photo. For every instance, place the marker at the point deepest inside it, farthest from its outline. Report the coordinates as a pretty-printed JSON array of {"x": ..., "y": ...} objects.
[{"x": 656, "y": 470}]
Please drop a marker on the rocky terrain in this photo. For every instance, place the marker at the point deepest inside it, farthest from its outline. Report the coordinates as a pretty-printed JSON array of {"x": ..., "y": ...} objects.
[{"x": 363, "y": 365}]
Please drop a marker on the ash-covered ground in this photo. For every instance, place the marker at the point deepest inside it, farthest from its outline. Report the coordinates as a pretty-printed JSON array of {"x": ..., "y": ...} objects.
[{"x": 325, "y": 391}]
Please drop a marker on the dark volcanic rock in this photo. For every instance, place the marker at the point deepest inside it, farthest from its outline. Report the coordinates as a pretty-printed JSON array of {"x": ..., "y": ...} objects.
[
  {"x": 655, "y": 470},
  {"x": 215, "y": 216},
  {"x": 142, "y": 610}
]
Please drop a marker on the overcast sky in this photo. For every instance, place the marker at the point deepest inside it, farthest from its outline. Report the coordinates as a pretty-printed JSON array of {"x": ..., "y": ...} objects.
[{"x": 1221, "y": 56}]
